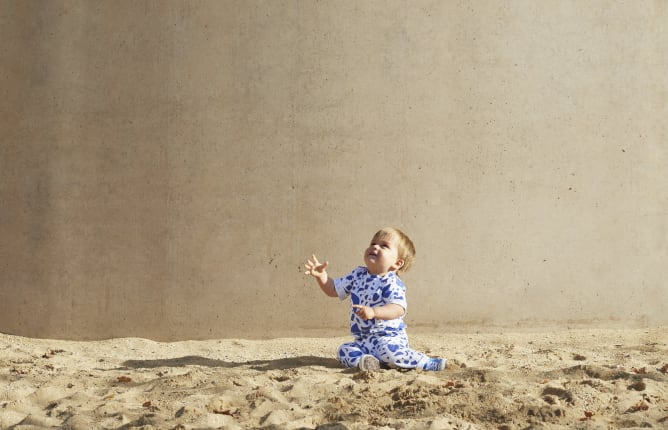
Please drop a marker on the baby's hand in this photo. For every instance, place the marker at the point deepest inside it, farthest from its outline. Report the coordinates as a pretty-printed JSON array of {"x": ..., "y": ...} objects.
[
  {"x": 365, "y": 312},
  {"x": 315, "y": 268}
]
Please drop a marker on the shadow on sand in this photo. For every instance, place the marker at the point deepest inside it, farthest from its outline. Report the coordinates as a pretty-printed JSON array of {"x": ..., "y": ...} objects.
[{"x": 278, "y": 364}]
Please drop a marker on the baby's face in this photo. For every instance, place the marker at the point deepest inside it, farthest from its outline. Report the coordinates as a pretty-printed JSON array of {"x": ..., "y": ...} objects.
[{"x": 382, "y": 256}]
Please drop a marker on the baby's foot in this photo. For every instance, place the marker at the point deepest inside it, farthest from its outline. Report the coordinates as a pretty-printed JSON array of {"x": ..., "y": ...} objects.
[
  {"x": 434, "y": 364},
  {"x": 369, "y": 363}
]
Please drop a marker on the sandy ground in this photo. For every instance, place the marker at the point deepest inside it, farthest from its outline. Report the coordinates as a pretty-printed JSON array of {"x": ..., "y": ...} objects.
[{"x": 586, "y": 379}]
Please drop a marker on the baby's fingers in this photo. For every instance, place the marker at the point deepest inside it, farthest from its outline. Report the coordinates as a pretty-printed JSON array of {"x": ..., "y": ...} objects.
[
  {"x": 313, "y": 266},
  {"x": 359, "y": 310}
]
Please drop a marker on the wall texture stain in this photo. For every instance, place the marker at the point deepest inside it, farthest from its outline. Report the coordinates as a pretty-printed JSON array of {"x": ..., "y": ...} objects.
[{"x": 166, "y": 167}]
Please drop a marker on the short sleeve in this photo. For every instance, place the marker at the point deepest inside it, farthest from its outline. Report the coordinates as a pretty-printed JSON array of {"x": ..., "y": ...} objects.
[
  {"x": 395, "y": 292},
  {"x": 344, "y": 285}
]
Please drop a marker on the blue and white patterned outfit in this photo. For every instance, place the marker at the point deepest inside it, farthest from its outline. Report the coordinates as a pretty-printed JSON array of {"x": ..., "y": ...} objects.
[{"x": 384, "y": 339}]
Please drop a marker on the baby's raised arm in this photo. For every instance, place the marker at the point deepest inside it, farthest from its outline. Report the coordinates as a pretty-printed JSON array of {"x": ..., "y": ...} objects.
[{"x": 317, "y": 270}]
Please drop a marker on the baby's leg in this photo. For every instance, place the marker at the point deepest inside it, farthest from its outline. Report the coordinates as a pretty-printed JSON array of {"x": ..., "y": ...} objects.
[
  {"x": 395, "y": 352},
  {"x": 350, "y": 353}
]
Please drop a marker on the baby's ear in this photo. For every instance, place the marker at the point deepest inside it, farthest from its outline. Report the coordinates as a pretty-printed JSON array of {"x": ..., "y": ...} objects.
[{"x": 399, "y": 264}]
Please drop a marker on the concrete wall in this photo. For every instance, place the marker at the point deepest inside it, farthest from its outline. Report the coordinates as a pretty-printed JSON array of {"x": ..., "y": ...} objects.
[{"x": 166, "y": 167}]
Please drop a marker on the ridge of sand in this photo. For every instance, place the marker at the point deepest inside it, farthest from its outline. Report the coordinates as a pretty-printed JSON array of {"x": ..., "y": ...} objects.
[{"x": 586, "y": 379}]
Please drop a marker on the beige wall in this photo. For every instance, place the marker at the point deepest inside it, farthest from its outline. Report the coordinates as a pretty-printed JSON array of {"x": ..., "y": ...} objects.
[{"x": 166, "y": 167}]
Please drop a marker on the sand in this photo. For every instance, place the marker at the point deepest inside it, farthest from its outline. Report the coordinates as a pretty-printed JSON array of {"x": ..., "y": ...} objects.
[{"x": 588, "y": 379}]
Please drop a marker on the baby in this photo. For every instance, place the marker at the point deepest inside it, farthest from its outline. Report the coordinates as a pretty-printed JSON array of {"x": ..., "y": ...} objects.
[{"x": 378, "y": 305}]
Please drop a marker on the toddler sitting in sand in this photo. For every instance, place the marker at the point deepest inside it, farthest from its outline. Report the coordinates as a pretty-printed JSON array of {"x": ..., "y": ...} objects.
[{"x": 378, "y": 304}]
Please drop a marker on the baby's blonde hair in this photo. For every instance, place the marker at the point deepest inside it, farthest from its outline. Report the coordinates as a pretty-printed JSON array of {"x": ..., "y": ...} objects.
[{"x": 405, "y": 247}]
